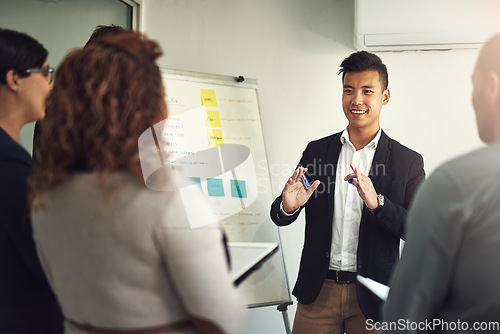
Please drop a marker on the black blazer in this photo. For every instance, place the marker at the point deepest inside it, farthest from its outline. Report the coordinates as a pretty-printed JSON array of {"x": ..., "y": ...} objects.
[
  {"x": 396, "y": 172},
  {"x": 27, "y": 304}
]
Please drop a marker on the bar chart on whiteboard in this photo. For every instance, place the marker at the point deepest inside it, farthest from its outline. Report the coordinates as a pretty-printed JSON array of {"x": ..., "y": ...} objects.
[{"x": 213, "y": 138}]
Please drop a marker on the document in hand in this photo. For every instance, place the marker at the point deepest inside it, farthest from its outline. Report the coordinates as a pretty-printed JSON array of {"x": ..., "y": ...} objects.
[{"x": 379, "y": 289}]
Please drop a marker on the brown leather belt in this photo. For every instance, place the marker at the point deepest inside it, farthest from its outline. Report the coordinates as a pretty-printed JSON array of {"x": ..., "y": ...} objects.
[
  {"x": 150, "y": 330},
  {"x": 341, "y": 276}
]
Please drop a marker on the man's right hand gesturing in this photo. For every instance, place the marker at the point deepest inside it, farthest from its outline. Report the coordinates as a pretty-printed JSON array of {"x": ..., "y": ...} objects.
[{"x": 294, "y": 193}]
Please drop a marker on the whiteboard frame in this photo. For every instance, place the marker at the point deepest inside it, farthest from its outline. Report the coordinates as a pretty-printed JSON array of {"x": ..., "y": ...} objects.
[{"x": 215, "y": 79}]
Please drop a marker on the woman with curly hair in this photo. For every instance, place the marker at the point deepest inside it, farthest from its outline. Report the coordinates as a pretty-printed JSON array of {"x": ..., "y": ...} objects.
[
  {"x": 27, "y": 304},
  {"x": 121, "y": 258}
]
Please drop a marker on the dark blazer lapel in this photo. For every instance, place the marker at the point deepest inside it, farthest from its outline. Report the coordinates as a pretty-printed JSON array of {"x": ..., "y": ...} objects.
[
  {"x": 380, "y": 159},
  {"x": 332, "y": 158},
  {"x": 379, "y": 164}
]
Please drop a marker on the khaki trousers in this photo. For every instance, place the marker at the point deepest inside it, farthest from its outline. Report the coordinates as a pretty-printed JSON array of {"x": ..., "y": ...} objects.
[{"x": 335, "y": 311}]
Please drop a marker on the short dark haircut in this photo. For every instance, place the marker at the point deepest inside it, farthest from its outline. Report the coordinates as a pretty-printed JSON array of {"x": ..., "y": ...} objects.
[
  {"x": 365, "y": 61},
  {"x": 105, "y": 31},
  {"x": 19, "y": 52}
]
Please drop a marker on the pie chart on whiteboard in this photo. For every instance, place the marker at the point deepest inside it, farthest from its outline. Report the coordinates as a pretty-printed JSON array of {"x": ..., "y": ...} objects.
[{"x": 224, "y": 173}]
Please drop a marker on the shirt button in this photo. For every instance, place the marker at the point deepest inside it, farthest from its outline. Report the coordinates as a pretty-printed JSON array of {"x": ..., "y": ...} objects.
[{"x": 327, "y": 255}]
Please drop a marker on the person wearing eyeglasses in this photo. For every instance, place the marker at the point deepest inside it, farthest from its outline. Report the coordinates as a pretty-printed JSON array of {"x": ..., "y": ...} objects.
[{"x": 27, "y": 304}]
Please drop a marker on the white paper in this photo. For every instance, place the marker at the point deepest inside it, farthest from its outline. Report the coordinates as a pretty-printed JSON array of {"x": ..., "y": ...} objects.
[{"x": 379, "y": 289}]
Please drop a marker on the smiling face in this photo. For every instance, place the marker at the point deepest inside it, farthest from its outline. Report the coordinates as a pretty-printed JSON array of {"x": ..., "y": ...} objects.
[{"x": 362, "y": 100}]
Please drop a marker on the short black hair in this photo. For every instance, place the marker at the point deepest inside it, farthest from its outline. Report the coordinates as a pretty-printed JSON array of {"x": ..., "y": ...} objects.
[
  {"x": 19, "y": 52},
  {"x": 365, "y": 61},
  {"x": 105, "y": 31}
]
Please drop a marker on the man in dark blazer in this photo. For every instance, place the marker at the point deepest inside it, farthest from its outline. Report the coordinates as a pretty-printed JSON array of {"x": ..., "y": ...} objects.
[{"x": 354, "y": 222}]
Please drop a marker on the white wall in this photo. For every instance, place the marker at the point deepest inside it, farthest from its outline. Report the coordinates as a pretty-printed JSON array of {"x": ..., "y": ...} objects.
[{"x": 294, "y": 48}]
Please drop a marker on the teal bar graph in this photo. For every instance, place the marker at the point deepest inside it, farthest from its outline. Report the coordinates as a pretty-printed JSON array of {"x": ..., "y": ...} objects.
[
  {"x": 215, "y": 187},
  {"x": 238, "y": 189}
]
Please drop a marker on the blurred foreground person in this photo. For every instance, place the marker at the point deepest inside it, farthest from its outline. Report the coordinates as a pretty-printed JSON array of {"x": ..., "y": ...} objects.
[
  {"x": 27, "y": 305},
  {"x": 449, "y": 267},
  {"x": 120, "y": 257}
]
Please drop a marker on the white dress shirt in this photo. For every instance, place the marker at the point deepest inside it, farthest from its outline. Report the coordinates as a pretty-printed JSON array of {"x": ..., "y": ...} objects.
[{"x": 348, "y": 204}]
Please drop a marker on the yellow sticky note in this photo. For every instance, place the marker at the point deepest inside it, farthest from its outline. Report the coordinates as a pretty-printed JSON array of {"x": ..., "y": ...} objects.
[
  {"x": 208, "y": 98},
  {"x": 215, "y": 137},
  {"x": 212, "y": 119}
]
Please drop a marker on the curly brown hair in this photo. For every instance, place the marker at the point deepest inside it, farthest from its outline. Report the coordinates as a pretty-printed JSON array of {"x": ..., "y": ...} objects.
[{"x": 105, "y": 96}]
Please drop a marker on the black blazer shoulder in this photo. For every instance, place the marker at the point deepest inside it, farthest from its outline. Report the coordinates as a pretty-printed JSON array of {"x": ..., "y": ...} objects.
[{"x": 27, "y": 304}]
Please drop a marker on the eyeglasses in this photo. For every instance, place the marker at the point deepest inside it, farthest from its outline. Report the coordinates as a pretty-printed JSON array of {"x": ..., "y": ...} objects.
[{"x": 47, "y": 72}]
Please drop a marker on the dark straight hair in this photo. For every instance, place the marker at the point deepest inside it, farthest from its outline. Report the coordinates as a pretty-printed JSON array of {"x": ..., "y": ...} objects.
[
  {"x": 365, "y": 61},
  {"x": 102, "y": 31},
  {"x": 19, "y": 52}
]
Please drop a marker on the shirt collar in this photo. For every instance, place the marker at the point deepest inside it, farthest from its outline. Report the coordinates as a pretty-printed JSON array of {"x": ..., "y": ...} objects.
[{"x": 373, "y": 144}]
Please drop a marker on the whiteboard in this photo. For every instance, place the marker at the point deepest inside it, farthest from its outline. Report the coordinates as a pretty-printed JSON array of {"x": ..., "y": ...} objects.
[{"x": 214, "y": 135}]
